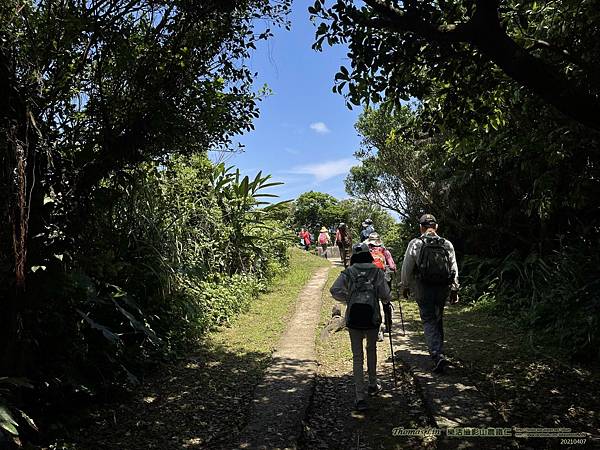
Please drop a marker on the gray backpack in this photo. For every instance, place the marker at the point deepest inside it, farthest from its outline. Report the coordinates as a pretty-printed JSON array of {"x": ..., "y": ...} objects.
[{"x": 363, "y": 304}]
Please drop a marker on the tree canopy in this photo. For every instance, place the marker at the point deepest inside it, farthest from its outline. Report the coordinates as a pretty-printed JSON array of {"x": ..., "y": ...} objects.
[
  {"x": 122, "y": 241},
  {"x": 465, "y": 49},
  {"x": 315, "y": 209}
]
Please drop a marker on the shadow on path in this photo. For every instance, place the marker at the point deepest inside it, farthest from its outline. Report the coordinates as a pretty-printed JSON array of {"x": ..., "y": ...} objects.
[
  {"x": 281, "y": 399},
  {"x": 452, "y": 399},
  {"x": 200, "y": 402},
  {"x": 220, "y": 396},
  {"x": 495, "y": 381}
]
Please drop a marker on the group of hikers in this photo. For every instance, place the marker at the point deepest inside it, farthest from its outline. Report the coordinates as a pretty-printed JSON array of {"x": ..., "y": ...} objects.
[
  {"x": 343, "y": 240},
  {"x": 429, "y": 274}
]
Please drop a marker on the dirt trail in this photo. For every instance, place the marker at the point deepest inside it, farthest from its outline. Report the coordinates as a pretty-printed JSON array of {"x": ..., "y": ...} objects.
[{"x": 281, "y": 399}]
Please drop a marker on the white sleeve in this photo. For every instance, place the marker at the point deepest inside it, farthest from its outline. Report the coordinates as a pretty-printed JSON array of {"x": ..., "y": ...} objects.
[
  {"x": 408, "y": 265},
  {"x": 455, "y": 285}
]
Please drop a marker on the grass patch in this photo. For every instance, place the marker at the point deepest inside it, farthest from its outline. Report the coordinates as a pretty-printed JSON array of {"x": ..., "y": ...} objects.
[
  {"x": 334, "y": 354},
  {"x": 530, "y": 383},
  {"x": 258, "y": 329}
]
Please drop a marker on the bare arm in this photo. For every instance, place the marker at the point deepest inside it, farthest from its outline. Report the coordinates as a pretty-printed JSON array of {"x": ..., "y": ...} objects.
[{"x": 389, "y": 260}]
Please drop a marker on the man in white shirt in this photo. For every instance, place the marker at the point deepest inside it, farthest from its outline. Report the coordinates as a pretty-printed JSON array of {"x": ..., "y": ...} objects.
[{"x": 432, "y": 276}]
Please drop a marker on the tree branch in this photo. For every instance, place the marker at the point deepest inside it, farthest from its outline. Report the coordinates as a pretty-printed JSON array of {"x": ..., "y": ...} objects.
[
  {"x": 484, "y": 31},
  {"x": 394, "y": 19}
]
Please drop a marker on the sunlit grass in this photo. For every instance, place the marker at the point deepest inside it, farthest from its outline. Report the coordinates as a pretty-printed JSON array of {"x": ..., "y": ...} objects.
[
  {"x": 258, "y": 330},
  {"x": 333, "y": 353}
]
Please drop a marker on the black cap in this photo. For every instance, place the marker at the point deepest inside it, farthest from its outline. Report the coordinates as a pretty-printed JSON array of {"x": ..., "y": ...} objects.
[
  {"x": 427, "y": 219},
  {"x": 360, "y": 248}
]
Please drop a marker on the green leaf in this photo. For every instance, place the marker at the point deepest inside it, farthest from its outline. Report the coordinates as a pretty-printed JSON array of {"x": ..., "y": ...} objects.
[{"x": 7, "y": 421}]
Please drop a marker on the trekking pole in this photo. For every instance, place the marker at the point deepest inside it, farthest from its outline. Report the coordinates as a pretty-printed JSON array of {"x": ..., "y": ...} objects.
[{"x": 387, "y": 310}]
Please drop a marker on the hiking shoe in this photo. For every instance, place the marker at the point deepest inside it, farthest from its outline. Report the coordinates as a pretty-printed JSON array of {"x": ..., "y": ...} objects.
[
  {"x": 374, "y": 390},
  {"x": 380, "y": 337},
  {"x": 439, "y": 364},
  {"x": 361, "y": 405}
]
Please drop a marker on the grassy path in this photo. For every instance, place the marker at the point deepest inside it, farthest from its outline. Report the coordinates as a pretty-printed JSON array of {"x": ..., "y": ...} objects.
[
  {"x": 527, "y": 386},
  {"x": 332, "y": 423},
  {"x": 202, "y": 401},
  {"x": 281, "y": 399},
  {"x": 530, "y": 384}
]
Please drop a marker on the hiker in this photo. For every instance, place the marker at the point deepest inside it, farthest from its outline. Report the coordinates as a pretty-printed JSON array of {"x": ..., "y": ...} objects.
[
  {"x": 367, "y": 229},
  {"x": 324, "y": 240},
  {"x": 383, "y": 259},
  {"x": 344, "y": 243},
  {"x": 362, "y": 286},
  {"x": 304, "y": 238},
  {"x": 430, "y": 272}
]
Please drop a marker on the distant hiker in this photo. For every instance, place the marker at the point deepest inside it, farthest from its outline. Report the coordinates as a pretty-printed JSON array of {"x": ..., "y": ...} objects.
[
  {"x": 324, "y": 240},
  {"x": 367, "y": 229},
  {"x": 304, "y": 238},
  {"x": 362, "y": 286},
  {"x": 344, "y": 243},
  {"x": 383, "y": 259},
  {"x": 430, "y": 272}
]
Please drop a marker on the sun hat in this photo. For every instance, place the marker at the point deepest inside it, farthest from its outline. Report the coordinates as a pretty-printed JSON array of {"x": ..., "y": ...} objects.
[
  {"x": 323, "y": 230},
  {"x": 374, "y": 239}
]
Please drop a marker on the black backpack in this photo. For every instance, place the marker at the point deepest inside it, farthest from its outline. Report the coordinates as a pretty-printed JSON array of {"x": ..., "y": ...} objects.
[
  {"x": 434, "y": 266},
  {"x": 363, "y": 304}
]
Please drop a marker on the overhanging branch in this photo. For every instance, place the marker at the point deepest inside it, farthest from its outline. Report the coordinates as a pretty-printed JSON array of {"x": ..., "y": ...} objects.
[{"x": 484, "y": 31}]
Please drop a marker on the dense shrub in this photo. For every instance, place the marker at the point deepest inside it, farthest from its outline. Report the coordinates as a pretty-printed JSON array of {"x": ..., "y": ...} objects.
[
  {"x": 178, "y": 250},
  {"x": 556, "y": 296}
]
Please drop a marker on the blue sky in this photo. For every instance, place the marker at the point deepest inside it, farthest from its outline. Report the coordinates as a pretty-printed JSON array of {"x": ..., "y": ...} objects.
[{"x": 305, "y": 135}]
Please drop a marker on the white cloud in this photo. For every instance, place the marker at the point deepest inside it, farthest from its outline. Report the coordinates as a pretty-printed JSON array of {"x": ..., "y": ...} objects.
[
  {"x": 291, "y": 151},
  {"x": 325, "y": 170},
  {"x": 319, "y": 127}
]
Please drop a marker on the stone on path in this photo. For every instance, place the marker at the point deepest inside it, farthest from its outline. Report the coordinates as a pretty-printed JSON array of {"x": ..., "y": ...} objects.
[{"x": 280, "y": 400}]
